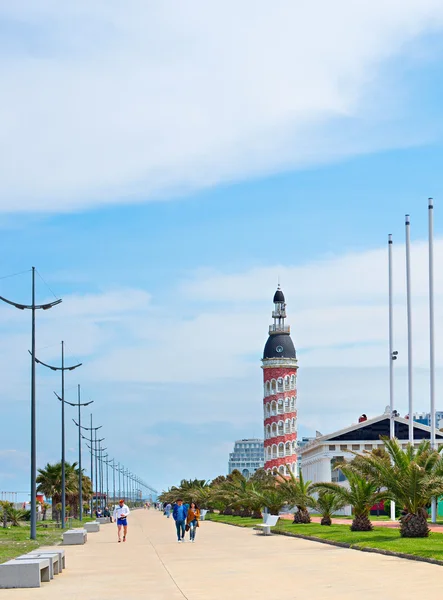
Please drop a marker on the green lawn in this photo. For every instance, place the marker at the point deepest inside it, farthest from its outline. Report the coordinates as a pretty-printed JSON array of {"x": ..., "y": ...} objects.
[
  {"x": 15, "y": 541},
  {"x": 381, "y": 537}
]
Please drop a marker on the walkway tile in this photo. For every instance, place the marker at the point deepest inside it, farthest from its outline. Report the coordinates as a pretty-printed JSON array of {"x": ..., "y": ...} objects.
[{"x": 226, "y": 563}]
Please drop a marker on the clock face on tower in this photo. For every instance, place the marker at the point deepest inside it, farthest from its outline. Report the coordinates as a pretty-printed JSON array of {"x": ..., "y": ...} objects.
[{"x": 279, "y": 348}]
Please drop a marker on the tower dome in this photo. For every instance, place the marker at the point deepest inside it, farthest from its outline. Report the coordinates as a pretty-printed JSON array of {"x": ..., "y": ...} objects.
[{"x": 279, "y": 296}]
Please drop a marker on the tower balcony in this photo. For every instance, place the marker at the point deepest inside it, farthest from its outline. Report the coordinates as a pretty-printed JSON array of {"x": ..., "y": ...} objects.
[
  {"x": 279, "y": 314},
  {"x": 279, "y": 329}
]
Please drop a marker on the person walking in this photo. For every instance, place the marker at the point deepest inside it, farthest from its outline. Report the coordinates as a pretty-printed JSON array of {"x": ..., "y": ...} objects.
[
  {"x": 121, "y": 513},
  {"x": 168, "y": 508},
  {"x": 192, "y": 520},
  {"x": 179, "y": 515}
]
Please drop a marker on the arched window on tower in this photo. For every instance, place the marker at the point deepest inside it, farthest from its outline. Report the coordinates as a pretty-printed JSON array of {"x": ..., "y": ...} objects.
[
  {"x": 287, "y": 426},
  {"x": 281, "y": 428},
  {"x": 287, "y": 404},
  {"x": 268, "y": 409},
  {"x": 280, "y": 384},
  {"x": 281, "y": 450},
  {"x": 267, "y": 388},
  {"x": 293, "y": 425},
  {"x": 273, "y": 386},
  {"x": 280, "y": 406},
  {"x": 281, "y": 470},
  {"x": 274, "y": 408},
  {"x": 292, "y": 403},
  {"x": 274, "y": 430},
  {"x": 288, "y": 449},
  {"x": 274, "y": 451},
  {"x": 268, "y": 431},
  {"x": 287, "y": 382},
  {"x": 292, "y": 382},
  {"x": 269, "y": 452}
]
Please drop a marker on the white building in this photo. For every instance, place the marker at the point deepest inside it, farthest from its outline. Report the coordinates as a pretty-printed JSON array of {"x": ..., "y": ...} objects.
[
  {"x": 318, "y": 457},
  {"x": 248, "y": 457}
]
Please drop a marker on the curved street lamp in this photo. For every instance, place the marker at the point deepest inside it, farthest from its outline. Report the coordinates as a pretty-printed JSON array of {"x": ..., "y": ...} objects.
[
  {"x": 62, "y": 369},
  {"x": 33, "y": 307},
  {"x": 80, "y": 473}
]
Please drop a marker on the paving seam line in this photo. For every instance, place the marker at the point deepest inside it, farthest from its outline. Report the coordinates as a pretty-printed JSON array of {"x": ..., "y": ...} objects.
[
  {"x": 432, "y": 561},
  {"x": 164, "y": 566}
]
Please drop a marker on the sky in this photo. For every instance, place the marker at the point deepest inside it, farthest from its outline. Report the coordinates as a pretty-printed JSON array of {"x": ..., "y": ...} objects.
[{"x": 163, "y": 166}]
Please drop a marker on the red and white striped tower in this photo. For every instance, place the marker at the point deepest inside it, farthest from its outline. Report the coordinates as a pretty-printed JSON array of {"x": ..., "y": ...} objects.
[{"x": 280, "y": 393}]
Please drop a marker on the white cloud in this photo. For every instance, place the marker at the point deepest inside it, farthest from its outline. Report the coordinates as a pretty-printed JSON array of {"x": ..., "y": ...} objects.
[{"x": 103, "y": 101}]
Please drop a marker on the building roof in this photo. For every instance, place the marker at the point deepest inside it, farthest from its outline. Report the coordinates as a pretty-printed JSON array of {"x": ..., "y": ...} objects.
[
  {"x": 372, "y": 429},
  {"x": 279, "y": 346}
]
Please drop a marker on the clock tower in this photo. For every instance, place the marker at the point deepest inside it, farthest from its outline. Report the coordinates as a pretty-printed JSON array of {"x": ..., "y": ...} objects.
[{"x": 279, "y": 366}]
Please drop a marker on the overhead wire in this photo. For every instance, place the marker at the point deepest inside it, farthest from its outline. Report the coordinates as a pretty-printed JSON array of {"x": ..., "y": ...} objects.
[{"x": 47, "y": 285}]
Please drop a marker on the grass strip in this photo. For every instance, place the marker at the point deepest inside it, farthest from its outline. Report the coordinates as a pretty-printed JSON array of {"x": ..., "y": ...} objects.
[
  {"x": 14, "y": 541},
  {"x": 381, "y": 539}
]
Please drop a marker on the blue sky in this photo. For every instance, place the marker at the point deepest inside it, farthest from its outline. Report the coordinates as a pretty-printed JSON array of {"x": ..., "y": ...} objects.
[{"x": 163, "y": 180}]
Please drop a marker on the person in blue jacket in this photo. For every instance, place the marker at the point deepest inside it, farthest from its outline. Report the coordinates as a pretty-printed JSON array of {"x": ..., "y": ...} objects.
[{"x": 179, "y": 515}]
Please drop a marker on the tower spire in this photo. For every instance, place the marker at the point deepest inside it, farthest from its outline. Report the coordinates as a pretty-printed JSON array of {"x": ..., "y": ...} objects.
[{"x": 279, "y": 314}]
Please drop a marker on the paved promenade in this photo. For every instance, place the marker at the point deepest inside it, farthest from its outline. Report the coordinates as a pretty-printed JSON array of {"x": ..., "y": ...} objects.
[{"x": 226, "y": 563}]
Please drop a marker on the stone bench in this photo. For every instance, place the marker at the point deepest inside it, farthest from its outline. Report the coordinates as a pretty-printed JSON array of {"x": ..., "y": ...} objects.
[
  {"x": 269, "y": 521},
  {"x": 103, "y": 520},
  {"x": 54, "y": 568},
  {"x": 92, "y": 527},
  {"x": 53, "y": 550},
  {"x": 75, "y": 537},
  {"x": 27, "y": 573}
]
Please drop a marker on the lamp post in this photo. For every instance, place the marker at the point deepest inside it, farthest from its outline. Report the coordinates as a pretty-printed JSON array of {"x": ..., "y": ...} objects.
[
  {"x": 105, "y": 459},
  {"x": 90, "y": 440},
  {"x": 62, "y": 369},
  {"x": 80, "y": 474},
  {"x": 119, "y": 485},
  {"x": 33, "y": 307},
  {"x": 94, "y": 455},
  {"x": 101, "y": 475}
]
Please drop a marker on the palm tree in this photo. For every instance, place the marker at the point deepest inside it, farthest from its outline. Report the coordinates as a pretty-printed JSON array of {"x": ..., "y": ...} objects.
[
  {"x": 326, "y": 505},
  {"x": 297, "y": 493},
  {"x": 362, "y": 494},
  {"x": 273, "y": 499},
  {"x": 49, "y": 483},
  {"x": 411, "y": 477},
  {"x": 241, "y": 497}
]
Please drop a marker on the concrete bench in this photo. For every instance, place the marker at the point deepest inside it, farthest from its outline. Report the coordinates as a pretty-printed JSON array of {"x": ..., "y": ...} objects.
[
  {"x": 75, "y": 537},
  {"x": 54, "y": 568},
  {"x": 103, "y": 520},
  {"x": 92, "y": 527},
  {"x": 203, "y": 514},
  {"x": 269, "y": 521},
  {"x": 24, "y": 573},
  {"x": 53, "y": 550}
]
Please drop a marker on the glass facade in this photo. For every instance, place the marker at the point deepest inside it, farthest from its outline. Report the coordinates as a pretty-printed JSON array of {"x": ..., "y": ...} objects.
[{"x": 248, "y": 457}]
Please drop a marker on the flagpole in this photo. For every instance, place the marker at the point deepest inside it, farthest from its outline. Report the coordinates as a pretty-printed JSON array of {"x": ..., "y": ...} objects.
[
  {"x": 392, "y": 357},
  {"x": 408, "y": 296},
  {"x": 431, "y": 338}
]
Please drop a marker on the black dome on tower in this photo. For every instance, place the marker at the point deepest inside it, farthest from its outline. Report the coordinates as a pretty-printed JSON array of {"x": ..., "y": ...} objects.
[
  {"x": 279, "y": 344},
  {"x": 279, "y": 296}
]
